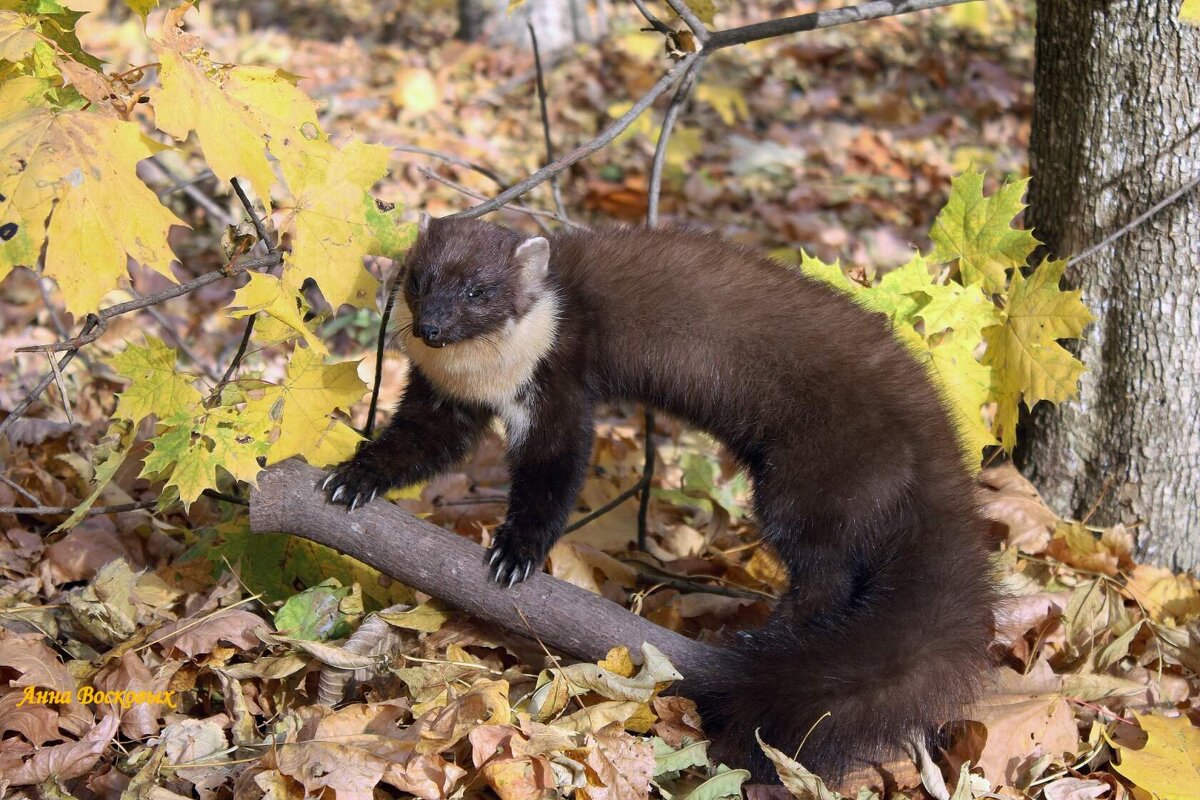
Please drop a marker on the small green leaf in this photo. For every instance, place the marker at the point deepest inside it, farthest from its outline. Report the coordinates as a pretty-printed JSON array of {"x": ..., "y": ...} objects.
[{"x": 315, "y": 613}]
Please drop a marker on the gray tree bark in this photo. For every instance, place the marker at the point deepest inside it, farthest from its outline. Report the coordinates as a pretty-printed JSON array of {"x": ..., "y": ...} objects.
[
  {"x": 1116, "y": 128},
  {"x": 559, "y": 23}
]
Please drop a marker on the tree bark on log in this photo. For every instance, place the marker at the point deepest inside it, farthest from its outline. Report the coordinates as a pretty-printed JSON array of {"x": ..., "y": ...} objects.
[
  {"x": 1115, "y": 131},
  {"x": 451, "y": 568}
]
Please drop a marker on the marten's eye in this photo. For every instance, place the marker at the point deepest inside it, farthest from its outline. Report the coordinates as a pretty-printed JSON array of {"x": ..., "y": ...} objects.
[
  {"x": 412, "y": 281},
  {"x": 476, "y": 292}
]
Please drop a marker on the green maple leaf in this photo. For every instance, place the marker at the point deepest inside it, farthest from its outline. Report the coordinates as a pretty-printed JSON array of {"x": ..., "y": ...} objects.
[
  {"x": 156, "y": 385},
  {"x": 193, "y": 444},
  {"x": 1023, "y": 349},
  {"x": 976, "y": 230}
]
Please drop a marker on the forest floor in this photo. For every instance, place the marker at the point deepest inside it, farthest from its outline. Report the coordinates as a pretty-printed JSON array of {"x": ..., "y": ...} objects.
[{"x": 841, "y": 142}]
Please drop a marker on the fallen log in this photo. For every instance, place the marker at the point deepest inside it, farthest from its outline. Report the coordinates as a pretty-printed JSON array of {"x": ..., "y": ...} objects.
[{"x": 451, "y": 568}]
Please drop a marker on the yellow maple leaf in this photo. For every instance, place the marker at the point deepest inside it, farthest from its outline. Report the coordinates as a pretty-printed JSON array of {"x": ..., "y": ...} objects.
[
  {"x": 285, "y": 117},
  {"x": 1189, "y": 12},
  {"x": 330, "y": 234},
  {"x": 237, "y": 442},
  {"x": 966, "y": 385},
  {"x": 70, "y": 176},
  {"x": 18, "y": 35},
  {"x": 193, "y": 96},
  {"x": 976, "y": 229},
  {"x": 1168, "y": 598},
  {"x": 1169, "y": 764},
  {"x": 301, "y": 409},
  {"x": 156, "y": 386},
  {"x": 1023, "y": 349},
  {"x": 279, "y": 300}
]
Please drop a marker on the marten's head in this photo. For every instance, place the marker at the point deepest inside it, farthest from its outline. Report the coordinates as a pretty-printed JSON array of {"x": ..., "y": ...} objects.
[{"x": 466, "y": 279}]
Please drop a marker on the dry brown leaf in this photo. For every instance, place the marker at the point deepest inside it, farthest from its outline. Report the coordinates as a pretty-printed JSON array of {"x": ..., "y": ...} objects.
[
  {"x": 193, "y": 637},
  {"x": 64, "y": 761},
  {"x": 1011, "y": 500},
  {"x": 620, "y": 765},
  {"x": 1026, "y": 716}
]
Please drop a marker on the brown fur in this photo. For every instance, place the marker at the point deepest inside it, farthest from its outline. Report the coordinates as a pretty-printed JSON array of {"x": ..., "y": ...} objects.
[{"x": 859, "y": 483}]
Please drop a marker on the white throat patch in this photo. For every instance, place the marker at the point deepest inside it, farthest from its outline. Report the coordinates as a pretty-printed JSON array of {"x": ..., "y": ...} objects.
[{"x": 490, "y": 371}]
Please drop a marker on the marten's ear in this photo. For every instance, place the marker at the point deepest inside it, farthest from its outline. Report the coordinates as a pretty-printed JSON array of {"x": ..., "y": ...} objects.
[
  {"x": 533, "y": 257},
  {"x": 423, "y": 223}
]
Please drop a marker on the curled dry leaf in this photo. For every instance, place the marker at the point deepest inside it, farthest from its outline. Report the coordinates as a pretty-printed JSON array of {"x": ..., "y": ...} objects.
[{"x": 63, "y": 761}]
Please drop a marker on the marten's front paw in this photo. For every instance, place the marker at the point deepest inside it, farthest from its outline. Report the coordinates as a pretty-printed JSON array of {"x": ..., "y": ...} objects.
[
  {"x": 355, "y": 483},
  {"x": 512, "y": 558}
]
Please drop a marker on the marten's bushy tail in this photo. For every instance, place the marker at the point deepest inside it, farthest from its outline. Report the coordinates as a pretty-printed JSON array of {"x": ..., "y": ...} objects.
[{"x": 906, "y": 657}]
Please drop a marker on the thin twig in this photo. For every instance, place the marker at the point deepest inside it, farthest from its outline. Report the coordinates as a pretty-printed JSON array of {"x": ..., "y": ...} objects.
[
  {"x": 607, "y": 507},
  {"x": 699, "y": 29},
  {"x": 40, "y": 510},
  {"x": 536, "y": 213},
  {"x": 555, "y": 188},
  {"x": 95, "y": 320},
  {"x": 647, "y": 477},
  {"x": 199, "y": 177},
  {"x": 187, "y": 186},
  {"x": 393, "y": 287},
  {"x": 19, "y": 489},
  {"x": 821, "y": 19},
  {"x": 247, "y": 331},
  {"x": 86, "y": 336},
  {"x": 450, "y": 158},
  {"x": 91, "y": 512},
  {"x": 655, "y": 23},
  {"x": 664, "y": 137},
  {"x": 585, "y": 150},
  {"x": 660, "y": 156},
  {"x": 1137, "y": 221}
]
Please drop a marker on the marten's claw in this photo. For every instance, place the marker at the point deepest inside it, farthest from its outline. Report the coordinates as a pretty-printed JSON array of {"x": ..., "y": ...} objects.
[
  {"x": 353, "y": 484},
  {"x": 510, "y": 561}
]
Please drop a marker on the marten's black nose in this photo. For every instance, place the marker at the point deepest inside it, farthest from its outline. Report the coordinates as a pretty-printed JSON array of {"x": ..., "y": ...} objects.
[{"x": 429, "y": 332}]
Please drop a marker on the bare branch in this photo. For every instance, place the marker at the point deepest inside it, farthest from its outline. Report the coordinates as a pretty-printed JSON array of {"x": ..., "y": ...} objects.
[
  {"x": 655, "y": 23},
  {"x": 585, "y": 150},
  {"x": 821, "y": 19},
  {"x": 701, "y": 32},
  {"x": 247, "y": 331},
  {"x": 1136, "y": 222},
  {"x": 555, "y": 189},
  {"x": 450, "y": 158},
  {"x": 95, "y": 320},
  {"x": 537, "y": 213},
  {"x": 664, "y": 137},
  {"x": 451, "y": 567},
  {"x": 40, "y": 511}
]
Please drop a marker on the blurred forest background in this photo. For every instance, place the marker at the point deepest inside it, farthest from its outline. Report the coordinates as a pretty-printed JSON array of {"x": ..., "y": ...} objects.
[{"x": 840, "y": 143}]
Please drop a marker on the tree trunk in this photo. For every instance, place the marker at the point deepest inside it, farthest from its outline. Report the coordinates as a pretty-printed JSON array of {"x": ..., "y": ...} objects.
[
  {"x": 559, "y": 23},
  {"x": 1115, "y": 130}
]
